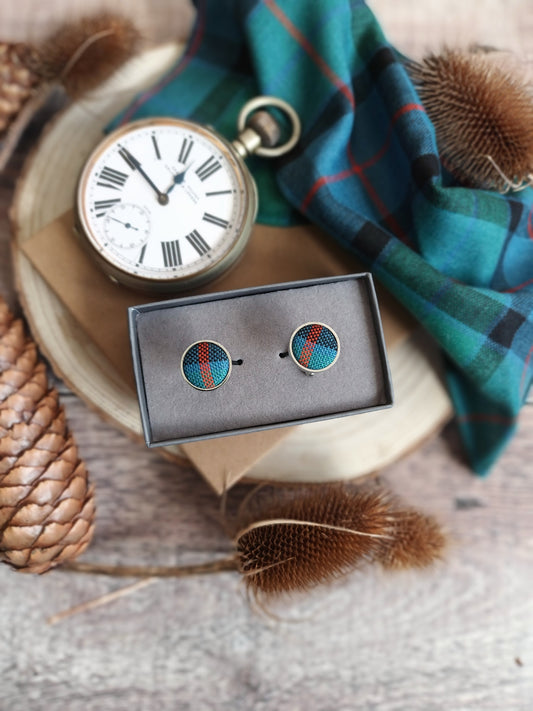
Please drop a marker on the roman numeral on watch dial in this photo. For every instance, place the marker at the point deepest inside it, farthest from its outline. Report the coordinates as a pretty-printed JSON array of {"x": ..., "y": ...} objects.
[
  {"x": 185, "y": 150},
  {"x": 130, "y": 160},
  {"x": 208, "y": 167},
  {"x": 111, "y": 178},
  {"x": 141, "y": 255},
  {"x": 156, "y": 147},
  {"x": 218, "y": 221},
  {"x": 102, "y": 206},
  {"x": 171, "y": 253},
  {"x": 219, "y": 192},
  {"x": 196, "y": 240}
]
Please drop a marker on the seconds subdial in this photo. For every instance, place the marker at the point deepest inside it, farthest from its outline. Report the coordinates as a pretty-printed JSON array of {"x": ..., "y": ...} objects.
[{"x": 127, "y": 226}]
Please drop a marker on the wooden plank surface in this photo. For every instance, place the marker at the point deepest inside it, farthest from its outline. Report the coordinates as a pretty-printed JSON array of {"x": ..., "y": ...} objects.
[{"x": 456, "y": 638}]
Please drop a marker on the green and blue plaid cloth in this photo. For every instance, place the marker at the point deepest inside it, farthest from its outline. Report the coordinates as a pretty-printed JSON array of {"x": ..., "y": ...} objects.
[{"x": 367, "y": 170}]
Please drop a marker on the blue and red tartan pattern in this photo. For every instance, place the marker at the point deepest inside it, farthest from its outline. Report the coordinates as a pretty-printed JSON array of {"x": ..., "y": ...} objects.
[
  {"x": 314, "y": 347},
  {"x": 367, "y": 170},
  {"x": 206, "y": 365}
]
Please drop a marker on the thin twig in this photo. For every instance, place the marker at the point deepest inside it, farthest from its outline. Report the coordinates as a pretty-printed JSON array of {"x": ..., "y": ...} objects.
[
  {"x": 151, "y": 571},
  {"x": 99, "y": 601}
]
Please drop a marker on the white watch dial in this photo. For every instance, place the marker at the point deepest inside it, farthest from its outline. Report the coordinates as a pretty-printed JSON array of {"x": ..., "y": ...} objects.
[{"x": 162, "y": 199}]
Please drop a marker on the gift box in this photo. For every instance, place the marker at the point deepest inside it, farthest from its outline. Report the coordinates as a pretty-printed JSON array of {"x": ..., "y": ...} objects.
[{"x": 266, "y": 389}]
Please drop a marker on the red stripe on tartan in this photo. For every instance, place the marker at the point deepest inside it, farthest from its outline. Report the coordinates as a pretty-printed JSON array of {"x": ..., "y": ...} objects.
[
  {"x": 356, "y": 169},
  {"x": 205, "y": 366},
  {"x": 524, "y": 372},
  {"x": 518, "y": 287},
  {"x": 486, "y": 417},
  {"x": 311, "y": 51},
  {"x": 399, "y": 113},
  {"x": 182, "y": 64},
  {"x": 324, "y": 180},
  {"x": 389, "y": 219},
  {"x": 310, "y": 343}
]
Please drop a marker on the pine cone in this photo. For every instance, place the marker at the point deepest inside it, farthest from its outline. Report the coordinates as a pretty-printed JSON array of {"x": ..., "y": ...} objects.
[
  {"x": 46, "y": 501},
  {"x": 18, "y": 83}
]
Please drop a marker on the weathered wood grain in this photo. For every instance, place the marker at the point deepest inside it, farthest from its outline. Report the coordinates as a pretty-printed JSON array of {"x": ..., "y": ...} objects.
[
  {"x": 449, "y": 638},
  {"x": 456, "y": 638}
]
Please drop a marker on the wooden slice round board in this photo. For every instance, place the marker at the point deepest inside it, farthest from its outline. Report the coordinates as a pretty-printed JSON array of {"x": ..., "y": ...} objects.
[{"x": 332, "y": 450}]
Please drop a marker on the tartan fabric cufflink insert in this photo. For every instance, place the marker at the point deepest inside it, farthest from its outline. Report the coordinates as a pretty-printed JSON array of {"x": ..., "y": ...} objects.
[
  {"x": 206, "y": 365},
  {"x": 314, "y": 347}
]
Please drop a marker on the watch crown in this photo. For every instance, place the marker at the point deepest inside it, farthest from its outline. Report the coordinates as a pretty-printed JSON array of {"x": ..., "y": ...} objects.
[{"x": 262, "y": 131}]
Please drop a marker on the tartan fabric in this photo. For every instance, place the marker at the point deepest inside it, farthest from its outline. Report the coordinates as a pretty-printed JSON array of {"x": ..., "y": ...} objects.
[
  {"x": 206, "y": 365},
  {"x": 314, "y": 346},
  {"x": 367, "y": 170}
]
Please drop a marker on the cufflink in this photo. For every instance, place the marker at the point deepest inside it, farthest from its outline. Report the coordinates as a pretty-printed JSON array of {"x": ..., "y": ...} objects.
[
  {"x": 314, "y": 347},
  {"x": 206, "y": 365}
]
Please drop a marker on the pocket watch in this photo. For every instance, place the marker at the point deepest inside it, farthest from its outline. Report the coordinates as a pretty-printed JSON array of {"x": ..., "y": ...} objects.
[{"x": 167, "y": 204}]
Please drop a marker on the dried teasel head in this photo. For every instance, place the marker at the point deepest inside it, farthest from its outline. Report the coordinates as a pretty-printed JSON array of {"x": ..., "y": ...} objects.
[
  {"x": 293, "y": 539},
  {"x": 323, "y": 533},
  {"x": 79, "y": 56},
  {"x": 82, "y": 54},
  {"x": 483, "y": 117},
  {"x": 415, "y": 541}
]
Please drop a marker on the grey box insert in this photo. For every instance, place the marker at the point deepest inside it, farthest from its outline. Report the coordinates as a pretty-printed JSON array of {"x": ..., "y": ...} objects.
[{"x": 266, "y": 391}]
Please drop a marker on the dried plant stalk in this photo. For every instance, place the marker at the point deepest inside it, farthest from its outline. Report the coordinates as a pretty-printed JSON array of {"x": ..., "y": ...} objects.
[{"x": 294, "y": 540}]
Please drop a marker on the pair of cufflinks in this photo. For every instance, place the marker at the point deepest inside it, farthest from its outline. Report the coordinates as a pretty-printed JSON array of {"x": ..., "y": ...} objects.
[{"x": 314, "y": 347}]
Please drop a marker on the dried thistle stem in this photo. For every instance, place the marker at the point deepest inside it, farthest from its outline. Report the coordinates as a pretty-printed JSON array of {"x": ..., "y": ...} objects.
[
  {"x": 99, "y": 601},
  {"x": 152, "y": 571}
]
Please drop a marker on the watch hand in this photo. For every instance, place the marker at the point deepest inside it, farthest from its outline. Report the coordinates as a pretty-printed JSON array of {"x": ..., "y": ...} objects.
[
  {"x": 134, "y": 163},
  {"x": 127, "y": 225},
  {"x": 178, "y": 178}
]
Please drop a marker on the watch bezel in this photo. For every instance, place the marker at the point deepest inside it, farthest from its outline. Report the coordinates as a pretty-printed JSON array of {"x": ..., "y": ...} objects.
[{"x": 178, "y": 282}]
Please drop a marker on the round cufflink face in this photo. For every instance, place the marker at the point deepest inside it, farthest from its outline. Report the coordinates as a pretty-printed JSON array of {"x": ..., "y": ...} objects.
[
  {"x": 206, "y": 365},
  {"x": 314, "y": 347}
]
